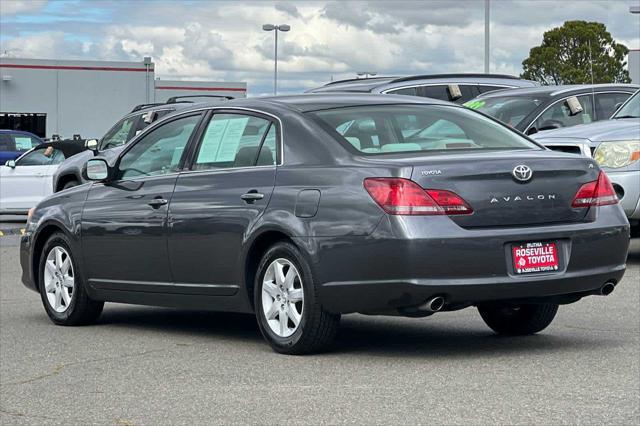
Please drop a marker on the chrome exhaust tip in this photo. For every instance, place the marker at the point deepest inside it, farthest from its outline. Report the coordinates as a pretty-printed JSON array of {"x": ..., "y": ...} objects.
[
  {"x": 607, "y": 288},
  {"x": 434, "y": 304}
]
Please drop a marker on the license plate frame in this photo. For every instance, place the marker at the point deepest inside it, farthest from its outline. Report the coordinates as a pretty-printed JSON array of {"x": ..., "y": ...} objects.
[{"x": 535, "y": 257}]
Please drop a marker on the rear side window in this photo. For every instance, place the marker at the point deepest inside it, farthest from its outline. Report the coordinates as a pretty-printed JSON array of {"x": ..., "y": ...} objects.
[
  {"x": 236, "y": 140},
  {"x": 383, "y": 129},
  {"x": 42, "y": 157},
  {"x": 443, "y": 92}
]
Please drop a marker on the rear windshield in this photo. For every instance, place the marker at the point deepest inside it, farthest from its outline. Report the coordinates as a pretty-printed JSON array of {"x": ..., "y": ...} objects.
[
  {"x": 508, "y": 109},
  {"x": 381, "y": 129}
]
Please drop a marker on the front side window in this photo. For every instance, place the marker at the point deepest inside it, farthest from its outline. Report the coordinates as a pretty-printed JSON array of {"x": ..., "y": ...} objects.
[
  {"x": 608, "y": 103},
  {"x": 119, "y": 134},
  {"x": 631, "y": 109},
  {"x": 160, "y": 151},
  {"x": 41, "y": 157},
  {"x": 559, "y": 115},
  {"x": 382, "y": 129},
  {"x": 235, "y": 140}
]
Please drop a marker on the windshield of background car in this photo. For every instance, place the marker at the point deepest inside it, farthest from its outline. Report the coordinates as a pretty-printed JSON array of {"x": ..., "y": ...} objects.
[
  {"x": 510, "y": 110},
  {"x": 631, "y": 109},
  {"x": 381, "y": 129}
]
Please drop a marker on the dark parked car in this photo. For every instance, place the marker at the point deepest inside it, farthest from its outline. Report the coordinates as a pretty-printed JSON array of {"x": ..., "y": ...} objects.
[
  {"x": 69, "y": 174},
  {"x": 14, "y": 143},
  {"x": 303, "y": 208},
  {"x": 456, "y": 88},
  {"x": 537, "y": 109}
]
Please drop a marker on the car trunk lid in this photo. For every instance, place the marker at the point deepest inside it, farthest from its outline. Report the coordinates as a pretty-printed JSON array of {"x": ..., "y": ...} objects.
[{"x": 499, "y": 196}]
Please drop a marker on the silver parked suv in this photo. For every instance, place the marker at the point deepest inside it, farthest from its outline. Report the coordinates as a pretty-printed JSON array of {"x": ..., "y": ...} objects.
[
  {"x": 615, "y": 145},
  {"x": 456, "y": 88}
]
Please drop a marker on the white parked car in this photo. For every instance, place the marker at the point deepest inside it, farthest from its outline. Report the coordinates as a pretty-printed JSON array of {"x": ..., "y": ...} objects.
[{"x": 28, "y": 179}]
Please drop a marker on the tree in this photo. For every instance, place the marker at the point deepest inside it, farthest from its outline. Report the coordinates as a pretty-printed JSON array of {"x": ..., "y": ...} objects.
[{"x": 564, "y": 57}]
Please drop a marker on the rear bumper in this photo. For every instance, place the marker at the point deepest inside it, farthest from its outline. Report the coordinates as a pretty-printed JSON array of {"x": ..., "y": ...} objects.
[{"x": 408, "y": 260}]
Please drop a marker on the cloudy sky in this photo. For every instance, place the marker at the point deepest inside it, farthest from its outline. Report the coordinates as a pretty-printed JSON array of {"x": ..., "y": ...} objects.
[{"x": 223, "y": 40}]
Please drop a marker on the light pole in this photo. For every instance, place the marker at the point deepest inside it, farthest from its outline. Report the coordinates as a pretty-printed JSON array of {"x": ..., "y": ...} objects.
[
  {"x": 284, "y": 28},
  {"x": 486, "y": 36}
]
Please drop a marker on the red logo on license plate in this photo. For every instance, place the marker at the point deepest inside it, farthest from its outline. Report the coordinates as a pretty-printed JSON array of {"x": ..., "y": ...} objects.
[{"x": 535, "y": 257}]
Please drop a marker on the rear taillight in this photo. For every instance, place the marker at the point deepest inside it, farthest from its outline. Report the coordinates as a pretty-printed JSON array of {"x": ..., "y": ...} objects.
[
  {"x": 405, "y": 197},
  {"x": 596, "y": 193}
]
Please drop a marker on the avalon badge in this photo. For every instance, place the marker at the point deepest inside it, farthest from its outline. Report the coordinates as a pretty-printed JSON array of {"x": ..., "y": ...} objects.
[{"x": 522, "y": 173}]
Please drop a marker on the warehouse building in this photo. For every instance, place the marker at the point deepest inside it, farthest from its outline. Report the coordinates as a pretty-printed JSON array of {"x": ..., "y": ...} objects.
[{"x": 56, "y": 97}]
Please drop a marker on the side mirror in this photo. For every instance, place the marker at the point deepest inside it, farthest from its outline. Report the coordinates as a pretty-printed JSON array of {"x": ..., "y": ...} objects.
[
  {"x": 11, "y": 163},
  {"x": 574, "y": 105},
  {"x": 150, "y": 117},
  {"x": 92, "y": 144},
  {"x": 96, "y": 169},
  {"x": 454, "y": 91},
  {"x": 532, "y": 131}
]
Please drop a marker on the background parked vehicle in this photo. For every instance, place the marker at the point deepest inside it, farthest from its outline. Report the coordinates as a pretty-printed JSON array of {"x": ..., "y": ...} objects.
[
  {"x": 14, "y": 143},
  {"x": 537, "y": 109},
  {"x": 27, "y": 180},
  {"x": 615, "y": 145},
  {"x": 303, "y": 208},
  {"x": 456, "y": 88},
  {"x": 69, "y": 174}
]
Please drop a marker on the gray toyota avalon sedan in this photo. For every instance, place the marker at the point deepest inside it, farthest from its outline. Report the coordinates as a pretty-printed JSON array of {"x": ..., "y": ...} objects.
[{"x": 303, "y": 208}]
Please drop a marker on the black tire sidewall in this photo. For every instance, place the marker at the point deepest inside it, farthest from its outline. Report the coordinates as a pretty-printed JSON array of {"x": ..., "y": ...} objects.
[
  {"x": 70, "y": 184},
  {"x": 292, "y": 254}
]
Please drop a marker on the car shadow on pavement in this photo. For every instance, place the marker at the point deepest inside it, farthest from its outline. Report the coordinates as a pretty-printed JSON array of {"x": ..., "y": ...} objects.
[{"x": 358, "y": 335}]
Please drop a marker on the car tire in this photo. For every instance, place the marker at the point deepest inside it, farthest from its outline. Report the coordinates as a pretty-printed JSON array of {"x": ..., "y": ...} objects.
[
  {"x": 518, "y": 320},
  {"x": 296, "y": 298},
  {"x": 70, "y": 184},
  {"x": 62, "y": 287}
]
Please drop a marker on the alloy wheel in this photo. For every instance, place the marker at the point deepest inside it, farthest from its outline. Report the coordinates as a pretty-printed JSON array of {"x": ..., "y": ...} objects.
[
  {"x": 282, "y": 297},
  {"x": 59, "y": 279}
]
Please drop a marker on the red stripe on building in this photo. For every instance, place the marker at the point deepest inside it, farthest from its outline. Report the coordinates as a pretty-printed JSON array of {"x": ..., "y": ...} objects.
[
  {"x": 73, "y": 68},
  {"x": 205, "y": 89}
]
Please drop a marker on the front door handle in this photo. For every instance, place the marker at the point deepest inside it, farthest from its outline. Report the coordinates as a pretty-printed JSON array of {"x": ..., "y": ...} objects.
[
  {"x": 157, "y": 202},
  {"x": 252, "y": 196}
]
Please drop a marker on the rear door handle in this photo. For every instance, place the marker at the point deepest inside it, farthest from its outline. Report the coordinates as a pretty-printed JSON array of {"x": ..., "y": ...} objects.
[
  {"x": 157, "y": 202},
  {"x": 252, "y": 196}
]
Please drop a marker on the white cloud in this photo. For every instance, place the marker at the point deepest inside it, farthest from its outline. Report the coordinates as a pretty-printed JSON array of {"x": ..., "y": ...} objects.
[
  {"x": 12, "y": 7},
  {"x": 224, "y": 40}
]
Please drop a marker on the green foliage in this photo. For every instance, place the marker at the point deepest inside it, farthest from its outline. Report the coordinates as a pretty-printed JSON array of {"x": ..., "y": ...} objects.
[{"x": 563, "y": 56}]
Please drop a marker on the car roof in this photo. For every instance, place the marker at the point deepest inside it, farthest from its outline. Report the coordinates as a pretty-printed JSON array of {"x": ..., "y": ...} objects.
[
  {"x": 557, "y": 90},
  {"x": 68, "y": 147},
  {"x": 368, "y": 84},
  {"x": 318, "y": 101},
  {"x": 20, "y": 132}
]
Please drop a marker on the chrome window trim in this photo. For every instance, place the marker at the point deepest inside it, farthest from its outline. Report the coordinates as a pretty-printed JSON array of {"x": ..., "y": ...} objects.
[
  {"x": 569, "y": 96},
  {"x": 181, "y": 113}
]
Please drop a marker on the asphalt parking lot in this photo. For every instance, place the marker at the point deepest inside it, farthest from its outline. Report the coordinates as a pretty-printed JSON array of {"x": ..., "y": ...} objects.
[{"x": 144, "y": 365}]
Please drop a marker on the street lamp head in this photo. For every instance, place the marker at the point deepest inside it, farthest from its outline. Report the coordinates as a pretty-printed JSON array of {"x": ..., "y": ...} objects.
[
  {"x": 268, "y": 27},
  {"x": 284, "y": 27}
]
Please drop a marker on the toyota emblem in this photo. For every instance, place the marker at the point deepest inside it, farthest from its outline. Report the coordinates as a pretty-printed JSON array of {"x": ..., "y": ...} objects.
[{"x": 522, "y": 173}]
